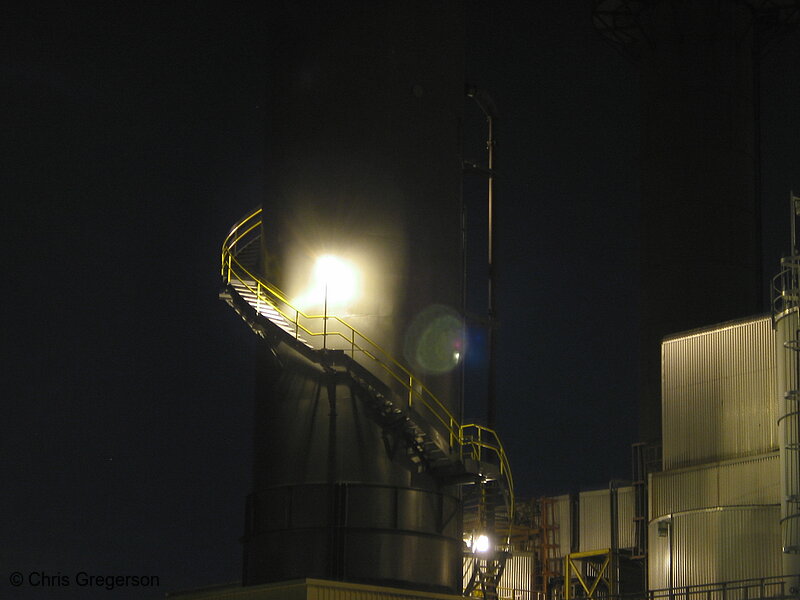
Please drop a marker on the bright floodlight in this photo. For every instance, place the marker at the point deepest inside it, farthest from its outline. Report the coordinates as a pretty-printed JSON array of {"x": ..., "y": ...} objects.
[
  {"x": 335, "y": 280},
  {"x": 481, "y": 544}
]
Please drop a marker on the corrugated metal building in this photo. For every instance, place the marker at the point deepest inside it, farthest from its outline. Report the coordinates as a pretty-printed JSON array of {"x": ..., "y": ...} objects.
[
  {"x": 562, "y": 516},
  {"x": 718, "y": 393},
  {"x": 715, "y": 509},
  {"x": 516, "y": 582},
  {"x": 595, "y": 516},
  {"x": 749, "y": 481}
]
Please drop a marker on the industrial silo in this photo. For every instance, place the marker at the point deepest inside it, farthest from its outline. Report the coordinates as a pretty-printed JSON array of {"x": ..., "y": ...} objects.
[
  {"x": 786, "y": 318},
  {"x": 363, "y": 113}
]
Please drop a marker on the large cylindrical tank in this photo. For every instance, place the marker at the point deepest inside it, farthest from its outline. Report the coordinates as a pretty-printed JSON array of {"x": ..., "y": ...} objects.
[
  {"x": 716, "y": 523},
  {"x": 363, "y": 110},
  {"x": 711, "y": 546},
  {"x": 787, "y": 352}
]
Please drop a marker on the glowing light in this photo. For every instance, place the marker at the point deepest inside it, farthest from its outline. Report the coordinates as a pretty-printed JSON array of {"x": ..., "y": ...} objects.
[
  {"x": 481, "y": 544},
  {"x": 334, "y": 281},
  {"x": 336, "y": 277}
]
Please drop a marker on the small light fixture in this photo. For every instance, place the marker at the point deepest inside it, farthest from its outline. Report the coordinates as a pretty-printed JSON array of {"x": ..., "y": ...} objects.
[{"x": 663, "y": 528}]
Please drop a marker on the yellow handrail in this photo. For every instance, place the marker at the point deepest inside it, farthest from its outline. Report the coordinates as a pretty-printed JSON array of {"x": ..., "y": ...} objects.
[{"x": 470, "y": 440}]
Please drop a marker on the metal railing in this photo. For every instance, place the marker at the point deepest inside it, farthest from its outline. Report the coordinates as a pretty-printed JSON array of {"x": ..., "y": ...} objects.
[
  {"x": 786, "y": 286},
  {"x": 472, "y": 441},
  {"x": 744, "y": 589},
  {"x": 775, "y": 587}
]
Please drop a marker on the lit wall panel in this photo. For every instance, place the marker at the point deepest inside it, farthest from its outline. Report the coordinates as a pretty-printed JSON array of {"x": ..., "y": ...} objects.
[{"x": 718, "y": 390}]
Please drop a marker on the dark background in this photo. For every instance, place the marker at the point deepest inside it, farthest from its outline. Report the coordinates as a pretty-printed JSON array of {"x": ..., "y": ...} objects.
[{"x": 133, "y": 138}]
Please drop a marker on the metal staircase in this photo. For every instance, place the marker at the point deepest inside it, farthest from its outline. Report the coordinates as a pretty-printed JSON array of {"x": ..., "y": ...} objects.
[
  {"x": 485, "y": 576},
  {"x": 432, "y": 438}
]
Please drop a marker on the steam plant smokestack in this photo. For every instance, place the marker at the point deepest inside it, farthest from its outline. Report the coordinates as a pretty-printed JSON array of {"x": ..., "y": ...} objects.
[
  {"x": 700, "y": 209},
  {"x": 364, "y": 103}
]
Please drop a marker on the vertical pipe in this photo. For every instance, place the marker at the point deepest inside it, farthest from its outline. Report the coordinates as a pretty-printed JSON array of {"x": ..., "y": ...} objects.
[
  {"x": 793, "y": 223},
  {"x": 669, "y": 542},
  {"x": 491, "y": 408}
]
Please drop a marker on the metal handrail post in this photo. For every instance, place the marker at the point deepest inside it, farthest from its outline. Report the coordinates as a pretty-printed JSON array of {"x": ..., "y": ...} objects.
[{"x": 325, "y": 321}]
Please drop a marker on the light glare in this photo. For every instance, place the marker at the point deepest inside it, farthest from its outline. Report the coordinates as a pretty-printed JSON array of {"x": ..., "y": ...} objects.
[
  {"x": 336, "y": 278},
  {"x": 481, "y": 544},
  {"x": 334, "y": 282}
]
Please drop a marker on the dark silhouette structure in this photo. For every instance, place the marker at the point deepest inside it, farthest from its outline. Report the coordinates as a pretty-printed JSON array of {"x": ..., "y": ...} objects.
[
  {"x": 364, "y": 108},
  {"x": 700, "y": 222}
]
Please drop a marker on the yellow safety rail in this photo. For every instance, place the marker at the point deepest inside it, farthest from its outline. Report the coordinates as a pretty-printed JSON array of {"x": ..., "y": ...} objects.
[
  {"x": 479, "y": 439},
  {"x": 472, "y": 440}
]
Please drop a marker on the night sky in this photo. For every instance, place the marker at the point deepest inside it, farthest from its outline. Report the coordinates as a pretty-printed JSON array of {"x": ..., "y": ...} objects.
[{"x": 133, "y": 139}]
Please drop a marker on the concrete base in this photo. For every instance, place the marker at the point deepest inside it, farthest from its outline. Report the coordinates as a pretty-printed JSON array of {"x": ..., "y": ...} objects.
[{"x": 308, "y": 589}]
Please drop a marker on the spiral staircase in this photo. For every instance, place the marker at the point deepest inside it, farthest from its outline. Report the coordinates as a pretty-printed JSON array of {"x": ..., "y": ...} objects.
[{"x": 469, "y": 455}]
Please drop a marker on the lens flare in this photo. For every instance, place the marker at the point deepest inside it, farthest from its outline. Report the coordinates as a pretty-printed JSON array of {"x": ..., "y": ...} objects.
[{"x": 435, "y": 340}]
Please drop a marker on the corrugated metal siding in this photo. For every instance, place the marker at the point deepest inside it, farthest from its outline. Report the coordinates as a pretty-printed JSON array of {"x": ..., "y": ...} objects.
[
  {"x": 518, "y": 577},
  {"x": 595, "y": 519},
  {"x": 747, "y": 481},
  {"x": 712, "y": 546},
  {"x": 563, "y": 522},
  {"x": 753, "y": 481},
  {"x": 626, "y": 532},
  {"x": 718, "y": 390}
]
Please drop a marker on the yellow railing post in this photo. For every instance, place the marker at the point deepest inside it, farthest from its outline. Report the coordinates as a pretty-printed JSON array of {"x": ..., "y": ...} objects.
[
  {"x": 567, "y": 576},
  {"x": 325, "y": 321},
  {"x": 410, "y": 390}
]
